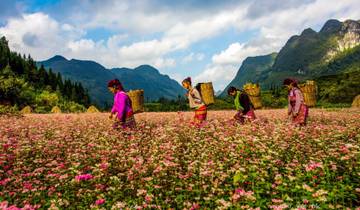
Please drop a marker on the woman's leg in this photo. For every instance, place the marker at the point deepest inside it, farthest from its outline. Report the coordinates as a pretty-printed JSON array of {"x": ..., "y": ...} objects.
[{"x": 200, "y": 114}]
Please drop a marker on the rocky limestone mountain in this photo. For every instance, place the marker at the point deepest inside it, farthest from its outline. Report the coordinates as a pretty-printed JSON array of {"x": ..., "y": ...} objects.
[
  {"x": 335, "y": 49},
  {"x": 347, "y": 37}
]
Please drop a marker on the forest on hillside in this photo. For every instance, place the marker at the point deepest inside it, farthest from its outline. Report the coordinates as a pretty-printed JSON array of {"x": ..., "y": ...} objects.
[{"x": 23, "y": 84}]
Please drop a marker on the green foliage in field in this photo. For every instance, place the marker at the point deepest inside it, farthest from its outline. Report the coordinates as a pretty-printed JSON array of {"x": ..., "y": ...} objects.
[
  {"x": 166, "y": 105},
  {"x": 181, "y": 104},
  {"x": 341, "y": 88}
]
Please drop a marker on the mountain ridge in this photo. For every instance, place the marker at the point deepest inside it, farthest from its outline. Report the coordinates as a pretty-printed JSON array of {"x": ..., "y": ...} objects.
[
  {"x": 309, "y": 55},
  {"x": 94, "y": 77}
]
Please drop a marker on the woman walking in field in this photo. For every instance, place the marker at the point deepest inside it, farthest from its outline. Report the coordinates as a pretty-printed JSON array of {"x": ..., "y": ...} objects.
[
  {"x": 297, "y": 109},
  {"x": 122, "y": 107},
  {"x": 243, "y": 105},
  {"x": 195, "y": 101}
]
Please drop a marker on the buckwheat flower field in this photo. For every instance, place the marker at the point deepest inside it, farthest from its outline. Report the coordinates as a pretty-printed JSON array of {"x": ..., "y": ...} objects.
[{"x": 77, "y": 161}]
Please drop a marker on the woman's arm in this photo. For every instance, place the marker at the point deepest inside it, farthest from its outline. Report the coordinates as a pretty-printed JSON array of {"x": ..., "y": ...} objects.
[
  {"x": 298, "y": 101},
  {"x": 113, "y": 109},
  {"x": 289, "y": 107},
  {"x": 196, "y": 96}
]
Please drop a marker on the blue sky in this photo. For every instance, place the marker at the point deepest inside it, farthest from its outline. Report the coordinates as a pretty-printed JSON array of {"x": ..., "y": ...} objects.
[{"x": 207, "y": 40}]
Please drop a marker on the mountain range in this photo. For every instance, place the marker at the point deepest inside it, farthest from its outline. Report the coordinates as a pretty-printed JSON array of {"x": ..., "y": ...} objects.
[
  {"x": 94, "y": 78},
  {"x": 335, "y": 49}
]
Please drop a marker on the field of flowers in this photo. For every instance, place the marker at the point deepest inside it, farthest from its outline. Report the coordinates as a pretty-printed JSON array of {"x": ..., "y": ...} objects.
[{"x": 77, "y": 161}]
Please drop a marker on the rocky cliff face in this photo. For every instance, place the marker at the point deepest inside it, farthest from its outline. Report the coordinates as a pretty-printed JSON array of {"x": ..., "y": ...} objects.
[
  {"x": 346, "y": 38},
  {"x": 333, "y": 50}
]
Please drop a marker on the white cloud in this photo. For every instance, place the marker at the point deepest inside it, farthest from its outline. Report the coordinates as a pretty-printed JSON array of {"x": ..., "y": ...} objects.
[
  {"x": 164, "y": 63},
  {"x": 234, "y": 54},
  {"x": 115, "y": 41},
  {"x": 42, "y": 37},
  {"x": 225, "y": 64},
  {"x": 218, "y": 74},
  {"x": 143, "y": 16},
  {"x": 82, "y": 45},
  {"x": 39, "y": 35},
  {"x": 193, "y": 56}
]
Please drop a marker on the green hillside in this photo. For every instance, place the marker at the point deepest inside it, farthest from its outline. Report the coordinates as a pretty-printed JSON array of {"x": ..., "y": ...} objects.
[{"x": 22, "y": 84}]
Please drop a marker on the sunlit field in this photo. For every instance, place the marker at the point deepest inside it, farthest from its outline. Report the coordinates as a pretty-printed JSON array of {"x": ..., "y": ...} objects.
[{"x": 77, "y": 161}]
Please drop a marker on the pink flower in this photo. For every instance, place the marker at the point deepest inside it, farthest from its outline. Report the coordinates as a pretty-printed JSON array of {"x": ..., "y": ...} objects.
[
  {"x": 148, "y": 198},
  {"x": 240, "y": 192},
  {"x": 280, "y": 207},
  {"x": 83, "y": 177},
  {"x": 277, "y": 200},
  {"x": 312, "y": 166},
  {"x": 4, "y": 181},
  {"x": 104, "y": 166},
  {"x": 27, "y": 185},
  {"x": 344, "y": 149},
  {"x": 100, "y": 202},
  {"x": 3, "y": 204},
  {"x": 13, "y": 208},
  {"x": 195, "y": 206}
]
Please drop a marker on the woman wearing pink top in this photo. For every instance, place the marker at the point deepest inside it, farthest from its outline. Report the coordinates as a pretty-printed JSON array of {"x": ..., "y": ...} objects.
[
  {"x": 297, "y": 108},
  {"x": 122, "y": 107}
]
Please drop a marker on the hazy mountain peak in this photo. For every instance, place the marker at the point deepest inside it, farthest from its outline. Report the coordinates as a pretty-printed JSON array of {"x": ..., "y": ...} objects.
[
  {"x": 57, "y": 58},
  {"x": 147, "y": 68},
  {"x": 308, "y": 32},
  {"x": 331, "y": 26}
]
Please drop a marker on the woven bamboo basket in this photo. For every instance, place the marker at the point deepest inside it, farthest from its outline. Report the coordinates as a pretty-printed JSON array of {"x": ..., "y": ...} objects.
[
  {"x": 207, "y": 93},
  {"x": 26, "y": 110},
  {"x": 92, "y": 109},
  {"x": 309, "y": 91},
  {"x": 56, "y": 109},
  {"x": 256, "y": 101},
  {"x": 137, "y": 100},
  {"x": 356, "y": 102},
  {"x": 253, "y": 91}
]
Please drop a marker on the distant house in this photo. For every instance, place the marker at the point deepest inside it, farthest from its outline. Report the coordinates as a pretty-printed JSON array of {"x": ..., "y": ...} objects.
[{"x": 300, "y": 71}]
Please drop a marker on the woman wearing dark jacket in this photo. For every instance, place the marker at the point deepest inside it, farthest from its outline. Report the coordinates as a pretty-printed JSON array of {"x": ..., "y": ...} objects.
[{"x": 242, "y": 104}]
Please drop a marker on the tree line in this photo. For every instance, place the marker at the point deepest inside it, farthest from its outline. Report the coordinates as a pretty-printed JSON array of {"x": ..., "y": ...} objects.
[{"x": 22, "y": 82}]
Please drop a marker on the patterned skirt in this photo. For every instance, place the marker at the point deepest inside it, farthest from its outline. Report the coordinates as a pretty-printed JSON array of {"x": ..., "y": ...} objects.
[
  {"x": 200, "y": 114},
  {"x": 129, "y": 122},
  {"x": 242, "y": 118},
  {"x": 300, "y": 119}
]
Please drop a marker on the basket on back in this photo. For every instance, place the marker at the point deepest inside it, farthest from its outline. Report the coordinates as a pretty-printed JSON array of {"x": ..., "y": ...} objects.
[
  {"x": 207, "y": 92},
  {"x": 309, "y": 91},
  {"x": 253, "y": 91},
  {"x": 137, "y": 100},
  {"x": 356, "y": 102}
]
